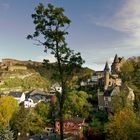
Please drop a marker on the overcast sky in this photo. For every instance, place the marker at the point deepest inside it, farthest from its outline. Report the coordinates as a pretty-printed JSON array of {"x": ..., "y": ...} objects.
[{"x": 99, "y": 29}]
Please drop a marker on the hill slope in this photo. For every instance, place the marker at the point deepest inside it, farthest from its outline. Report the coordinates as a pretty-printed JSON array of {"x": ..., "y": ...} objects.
[{"x": 31, "y": 76}]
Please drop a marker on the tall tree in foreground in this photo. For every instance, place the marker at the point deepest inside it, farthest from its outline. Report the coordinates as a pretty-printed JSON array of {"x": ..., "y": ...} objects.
[{"x": 50, "y": 31}]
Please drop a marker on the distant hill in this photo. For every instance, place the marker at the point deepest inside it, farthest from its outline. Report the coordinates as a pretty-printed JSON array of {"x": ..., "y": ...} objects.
[{"x": 16, "y": 75}]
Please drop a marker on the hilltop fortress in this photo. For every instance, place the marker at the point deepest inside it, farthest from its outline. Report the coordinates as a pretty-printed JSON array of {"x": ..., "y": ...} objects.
[{"x": 13, "y": 64}]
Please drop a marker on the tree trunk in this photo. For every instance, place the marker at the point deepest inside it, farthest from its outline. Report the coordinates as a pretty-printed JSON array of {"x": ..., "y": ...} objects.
[
  {"x": 61, "y": 124},
  {"x": 61, "y": 100}
]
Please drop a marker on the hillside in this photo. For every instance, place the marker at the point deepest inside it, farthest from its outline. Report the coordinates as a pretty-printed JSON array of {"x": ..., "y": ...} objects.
[
  {"x": 23, "y": 80},
  {"x": 18, "y": 75}
]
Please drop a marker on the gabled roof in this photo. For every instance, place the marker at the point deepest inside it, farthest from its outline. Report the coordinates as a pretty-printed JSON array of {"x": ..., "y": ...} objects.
[
  {"x": 55, "y": 85},
  {"x": 15, "y": 94},
  {"x": 38, "y": 95},
  {"x": 36, "y": 91}
]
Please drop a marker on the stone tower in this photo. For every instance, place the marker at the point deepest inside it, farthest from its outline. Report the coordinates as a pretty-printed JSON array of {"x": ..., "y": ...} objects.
[{"x": 106, "y": 76}]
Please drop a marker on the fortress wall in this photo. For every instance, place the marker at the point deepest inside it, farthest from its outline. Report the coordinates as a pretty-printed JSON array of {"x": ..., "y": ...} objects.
[
  {"x": 12, "y": 68},
  {"x": 12, "y": 62}
]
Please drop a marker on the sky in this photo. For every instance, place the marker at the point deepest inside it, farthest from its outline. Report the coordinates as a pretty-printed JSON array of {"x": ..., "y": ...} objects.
[{"x": 99, "y": 29}]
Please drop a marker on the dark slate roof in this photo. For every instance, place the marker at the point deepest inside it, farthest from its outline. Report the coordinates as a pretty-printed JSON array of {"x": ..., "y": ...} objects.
[
  {"x": 15, "y": 94},
  {"x": 106, "y": 67},
  {"x": 36, "y": 91},
  {"x": 116, "y": 59},
  {"x": 35, "y": 99},
  {"x": 38, "y": 95}
]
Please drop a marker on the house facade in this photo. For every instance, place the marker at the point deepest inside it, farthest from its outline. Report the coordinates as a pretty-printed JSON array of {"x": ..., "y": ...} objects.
[
  {"x": 71, "y": 126},
  {"x": 36, "y": 96}
]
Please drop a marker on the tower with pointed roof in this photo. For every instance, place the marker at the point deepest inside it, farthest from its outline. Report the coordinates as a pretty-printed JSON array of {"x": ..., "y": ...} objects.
[
  {"x": 116, "y": 59},
  {"x": 106, "y": 76},
  {"x": 117, "y": 63}
]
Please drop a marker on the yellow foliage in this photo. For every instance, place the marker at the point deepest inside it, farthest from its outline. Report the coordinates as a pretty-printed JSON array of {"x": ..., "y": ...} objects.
[
  {"x": 8, "y": 106},
  {"x": 122, "y": 125}
]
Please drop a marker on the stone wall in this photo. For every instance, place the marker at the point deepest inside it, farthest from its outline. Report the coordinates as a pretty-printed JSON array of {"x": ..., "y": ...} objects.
[{"x": 13, "y": 68}]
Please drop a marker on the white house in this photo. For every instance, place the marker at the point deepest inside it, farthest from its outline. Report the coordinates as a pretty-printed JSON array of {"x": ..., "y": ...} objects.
[
  {"x": 36, "y": 96},
  {"x": 55, "y": 88},
  {"x": 29, "y": 103}
]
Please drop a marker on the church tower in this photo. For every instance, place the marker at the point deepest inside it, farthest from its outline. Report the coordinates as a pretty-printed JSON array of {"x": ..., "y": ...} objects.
[{"x": 106, "y": 76}]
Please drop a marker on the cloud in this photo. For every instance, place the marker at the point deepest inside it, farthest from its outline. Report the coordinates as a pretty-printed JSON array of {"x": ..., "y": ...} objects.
[{"x": 125, "y": 20}]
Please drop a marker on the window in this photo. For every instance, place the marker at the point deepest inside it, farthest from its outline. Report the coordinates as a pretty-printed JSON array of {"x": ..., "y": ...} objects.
[
  {"x": 106, "y": 103},
  {"x": 106, "y": 98}
]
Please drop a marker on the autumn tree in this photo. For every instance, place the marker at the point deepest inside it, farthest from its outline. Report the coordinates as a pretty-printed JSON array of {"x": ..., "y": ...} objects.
[
  {"x": 8, "y": 106},
  {"x": 50, "y": 30},
  {"x": 124, "y": 125}
]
